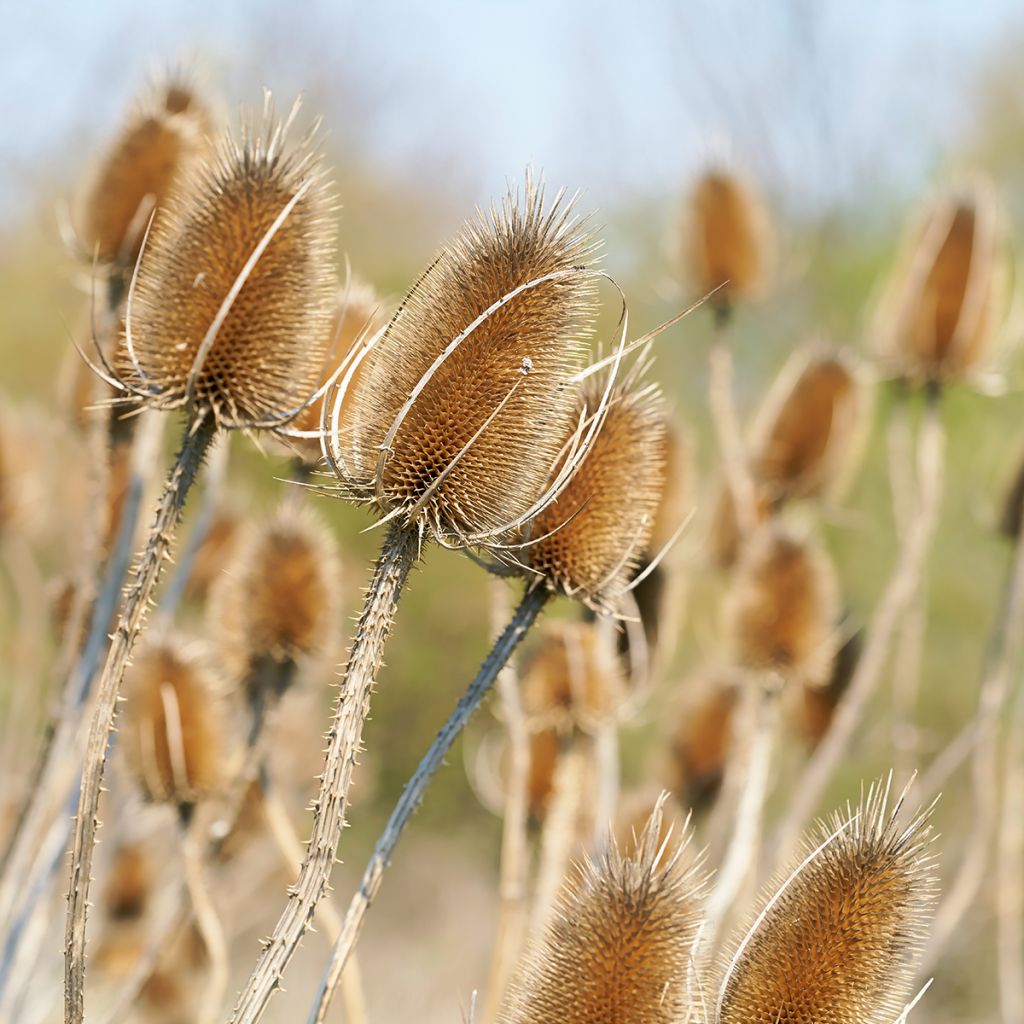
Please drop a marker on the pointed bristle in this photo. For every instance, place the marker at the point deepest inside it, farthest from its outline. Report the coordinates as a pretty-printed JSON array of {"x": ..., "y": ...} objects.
[
  {"x": 632, "y": 819},
  {"x": 620, "y": 943},
  {"x": 809, "y": 427},
  {"x": 516, "y": 366},
  {"x": 592, "y": 536},
  {"x": 159, "y": 143},
  {"x": 837, "y": 940},
  {"x": 175, "y": 735},
  {"x": 130, "y": 883},
  {"x": 783, "y": 606},
  {"x": 266, "y": 354},
  {"x": 726, "y": 237},
  {"x": 724, "y": 540}
]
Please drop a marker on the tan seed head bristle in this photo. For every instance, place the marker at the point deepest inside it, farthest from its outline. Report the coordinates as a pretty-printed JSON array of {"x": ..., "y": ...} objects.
[
  {"x": 174, "y": 732},
  {"x": 276, "y": 601},
  {"x": 619, "y": 945},
  {"x": 783, "y": 607},
  {"x": 726, "y": 237},
  {"x": 635, "y": 812},
  {"x": 160, "y": 141},
  {"x": 571, "y": 678},
  {"x": 947, "y": 297},
  {"x": 808, "y": 430},
  {"x": 724, "y": 541},
  {"x": 837, "y": 940},
  {"x": 266, "y": 354},
  {"x": 592, "y": 537},
  {"x": 523, "y": 355},
  {"x": 130, "y": 883}
]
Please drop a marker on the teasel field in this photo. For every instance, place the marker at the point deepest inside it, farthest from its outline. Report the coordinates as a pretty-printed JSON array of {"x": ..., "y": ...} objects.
[{"x": 588, "y": 590}]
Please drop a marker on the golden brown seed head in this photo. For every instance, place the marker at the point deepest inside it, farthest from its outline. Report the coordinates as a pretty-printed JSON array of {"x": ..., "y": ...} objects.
[
  {"x": 545, "y": 748},
  {"x": 213, "y": 554},
  {"x": 175, "y": 735},
  {"x": 808, "y": 431},
  {"x": 598, "y": 528},
  {"x": 618, "y": 947},
  {"x": 726, "y": 238},
  {"x": 783, "y": 607},
  {"x": 838, "y": 940},
  {"x": 266, "y": 355},
  {"x": 162, "y": 139},
  {"x": 276, "y": 601},
  {"x": 523, "y": 355}
]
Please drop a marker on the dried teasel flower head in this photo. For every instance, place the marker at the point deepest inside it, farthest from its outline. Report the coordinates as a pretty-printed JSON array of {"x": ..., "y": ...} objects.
[
  {"x": 837, "y": 939},
  {"x": 572, "y": 679},
  {"x": 810, "y": 427},
  {"x": 162, "y": 138},
  {"x": 782, "y": 608},
  {"x": 467, "y": 394},
  {"x": 727, "y": 238},
  {"x": 230, "y": 309},
  {"x": 619, "y": 946},
  {"x": 214, "y": 553},
  {"x": 946, "y": 300},
  {"x": 175, "y": 735},
  {"x": 588, "y": 542},
  {"x": 275, "y": 604},
  {"x": 724, "y": 541}
]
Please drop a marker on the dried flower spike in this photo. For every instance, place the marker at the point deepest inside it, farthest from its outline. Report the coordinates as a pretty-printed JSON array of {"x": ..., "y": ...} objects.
[
  {"x": 837, "y": 940},
  {"x": 620, "y": 944}
]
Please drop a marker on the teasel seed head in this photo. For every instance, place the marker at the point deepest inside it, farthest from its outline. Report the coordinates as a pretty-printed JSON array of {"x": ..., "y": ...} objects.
[
  {"x": 214, "y": 553},
  {"x": 837, "y": 939},
  {"x": 946, "y": 300},
  {"x": 545, "y": 748},
  {"x": 161, "y": 140},
  {"x": 276, "y": 602},
  {"x": 130, "y": 883},
  {"x": 175, "y": 735},
  {"x": 727, "y": 238},
  {"x": 462, "y": 444},
  {"x": 783, "y": 606},
  {"x": 811, "y": 426},
  {"x": 724, "y": 541},
  {"x": 588, "y": 542},
  {"x": 232, "y": 304}
]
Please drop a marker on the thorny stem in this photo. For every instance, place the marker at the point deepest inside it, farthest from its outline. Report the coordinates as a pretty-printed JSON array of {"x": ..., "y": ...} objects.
[
  {"x": 353, "y": 704},
  {"x": 198, "y": 435},
  {"x": 898, "y": 593},
  {"x": 1010, "y": 874},
  {"x": 524, "y": 617}
]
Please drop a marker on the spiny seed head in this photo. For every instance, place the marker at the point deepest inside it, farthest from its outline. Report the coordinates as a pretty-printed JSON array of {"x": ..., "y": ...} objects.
[
  {"x": 837, "y": 940},
  {"x": 205, "y": 280},
  {"x": 164, "y": 136},
  {"x": 492, "y": 414},
  {"x": 810, "y": 426},
  {"x": 591, "y": 538},
  {"x": 724, "y": 540},
  {"x": 572, "y": 679},
  {"x": 946, "y": 299},
  {"x": 726, "y": 238},
  {"x": 783, "y": 606},
  {"x": 816, "y": 705},
  {"x": 276, "y": 602},
  {"x": 130, "y": 883},
  {"x": 618, "y": 948},
  {"x": 175, "y": 735}
]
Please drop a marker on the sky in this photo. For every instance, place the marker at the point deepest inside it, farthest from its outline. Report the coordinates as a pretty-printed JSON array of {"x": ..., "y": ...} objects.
[{"x": 817, "y": 99}]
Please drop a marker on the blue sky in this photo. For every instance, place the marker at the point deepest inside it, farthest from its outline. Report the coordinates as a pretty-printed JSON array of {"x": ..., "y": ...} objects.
[{"x": 818, "y": 98}]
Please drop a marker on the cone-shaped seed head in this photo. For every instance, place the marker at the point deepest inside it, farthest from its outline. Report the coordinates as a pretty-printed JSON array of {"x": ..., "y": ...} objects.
[
  {"x": 174, "y": 732},
  {"x": 726, "y": 238},
  {"x": 598, "y": 528},
  {"x": 267, "y": 338},
  {"x": 810, "y": 426},
  {"x": 783, "y": 607},
  {"x": 837, "y": 941},
  {"x": 276, "y": 603},
  {"x": 618, "y": 950},
  {"x": 529, "y": 349},
  {"x": 160, "y": 141}
]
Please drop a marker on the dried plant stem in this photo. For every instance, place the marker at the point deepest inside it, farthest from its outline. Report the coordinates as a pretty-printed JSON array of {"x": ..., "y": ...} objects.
[
  {"x": 198, "y": 435},
  {"x": 898, "y": 593},
  {"x": 392, "y": 569},
  {"x": 1010, "y": 874},
  {"x": 524, "y": 617},
  {"x": 727, "y": 428},
  {"x": 1002, "y": 657}
]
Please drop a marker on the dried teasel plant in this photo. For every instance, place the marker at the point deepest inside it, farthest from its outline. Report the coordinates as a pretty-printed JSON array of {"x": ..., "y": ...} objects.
[
  {"x": 225, "y": 318},
  {"x": 836, "y": 939},
  {"x": 619, "y": 947}
]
